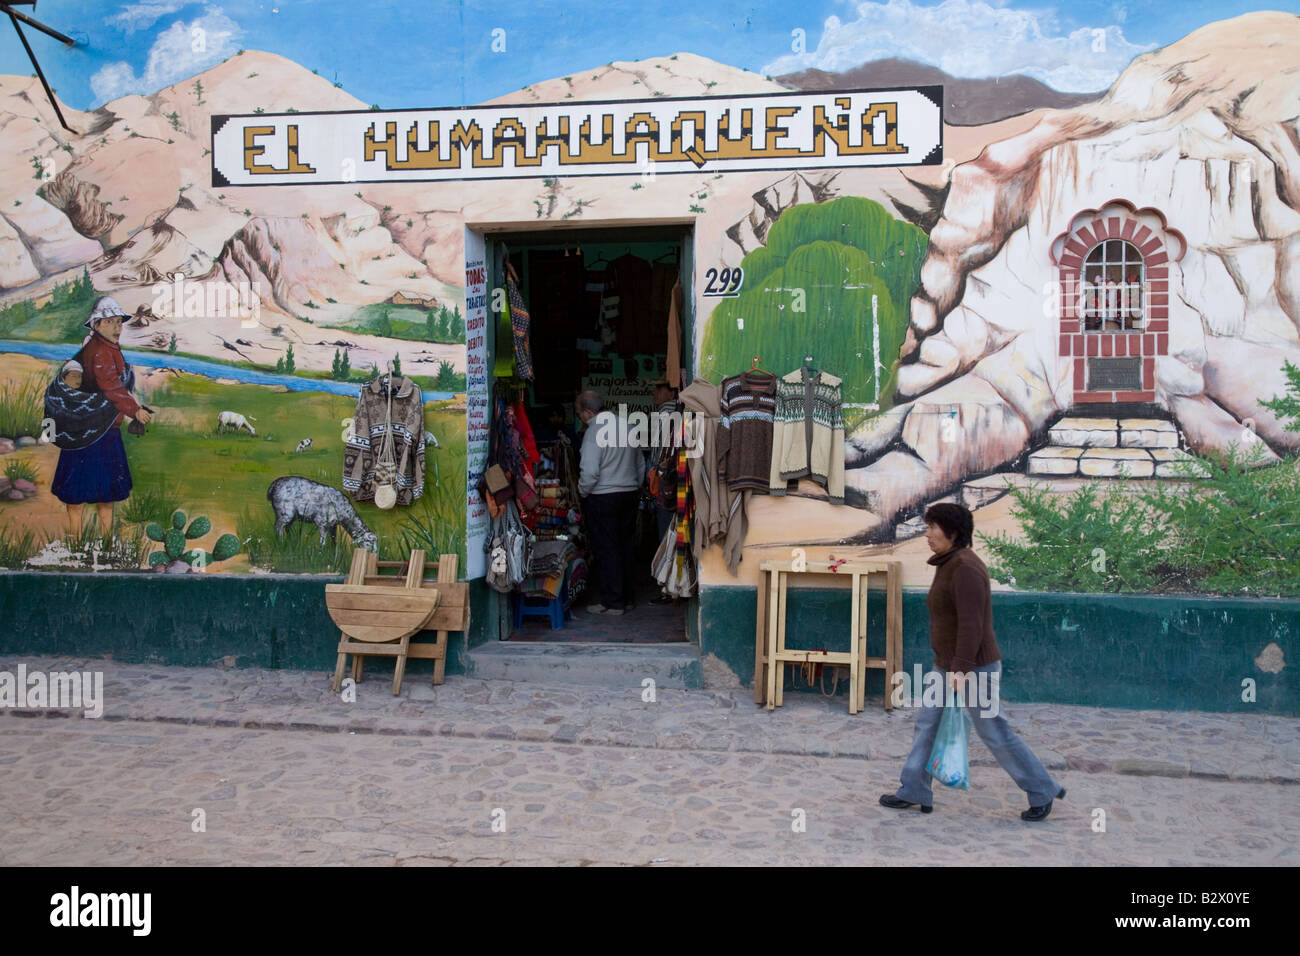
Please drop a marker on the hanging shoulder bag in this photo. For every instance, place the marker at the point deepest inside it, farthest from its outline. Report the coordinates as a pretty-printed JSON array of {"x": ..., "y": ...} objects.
[{"x": 386, "y": 463}]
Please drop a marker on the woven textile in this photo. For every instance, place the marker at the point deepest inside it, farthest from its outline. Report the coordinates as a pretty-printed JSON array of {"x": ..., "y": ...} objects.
[
  {"x": 748, "y": 403},
  {"x": 519, "y": 321},
  {"x": 808, "y": 433},
  {"x": 361, "y": 453},
  {"x": 685, "y": 503}
]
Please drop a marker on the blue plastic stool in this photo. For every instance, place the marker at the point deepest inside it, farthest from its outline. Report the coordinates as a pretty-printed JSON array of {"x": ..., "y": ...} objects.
[{"x": 556, "y": 609}]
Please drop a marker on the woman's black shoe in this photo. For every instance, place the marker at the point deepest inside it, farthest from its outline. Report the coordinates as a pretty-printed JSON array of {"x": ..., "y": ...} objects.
[
  {"x": 891, "y": 801},
  {"x": 1040, "y": 813}
]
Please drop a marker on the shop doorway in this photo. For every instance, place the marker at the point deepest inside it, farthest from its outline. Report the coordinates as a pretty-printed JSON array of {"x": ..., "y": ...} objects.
[{"x": 599, "y": 302}]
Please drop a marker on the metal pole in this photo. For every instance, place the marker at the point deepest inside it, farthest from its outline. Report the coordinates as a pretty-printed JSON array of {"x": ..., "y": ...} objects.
[
  {"x": 13, "y": 18},
  {"x": 37, "y": 25}
]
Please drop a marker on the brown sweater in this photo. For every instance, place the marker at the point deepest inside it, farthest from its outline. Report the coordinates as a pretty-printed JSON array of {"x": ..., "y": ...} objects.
[{"x": 961, "y": 612}]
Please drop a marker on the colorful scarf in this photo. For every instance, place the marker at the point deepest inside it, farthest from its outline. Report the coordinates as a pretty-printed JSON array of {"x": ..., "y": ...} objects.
[
  {"x": 519, "y": 320},
  {"x": 685, "y": 503}
]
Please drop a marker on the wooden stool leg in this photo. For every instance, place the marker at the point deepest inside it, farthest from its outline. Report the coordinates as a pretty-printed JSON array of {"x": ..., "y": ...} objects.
[
  {"x": 853, "y": 644},
  {"x": 773, "y": 612},
  {"x": 760, "y": 641},
  {"x": 893, "y": 625},
  {"x": 440, "y": 662},
  {"x": 865, "y": 585},
  {"x": 780, "y": 637},
  {"x": 447, "y": 566},
  {"x": 338, "y": 670},
  {"x": 400, "y": 669},
  {"x": 358, "y": 662}
]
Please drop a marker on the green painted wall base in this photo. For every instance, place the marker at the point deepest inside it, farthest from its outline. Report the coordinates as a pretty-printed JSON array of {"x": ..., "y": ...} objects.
[
  {"x": 186, "y": 619},
  {"x": 1161, "y": 653},
  {"x": 1137, "y": 652}
]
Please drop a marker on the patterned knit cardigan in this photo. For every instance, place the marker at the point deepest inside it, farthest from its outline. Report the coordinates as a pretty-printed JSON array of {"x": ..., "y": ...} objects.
[
  {"x": 361, "y": 451},
  {"x": 808, "y": 433}
]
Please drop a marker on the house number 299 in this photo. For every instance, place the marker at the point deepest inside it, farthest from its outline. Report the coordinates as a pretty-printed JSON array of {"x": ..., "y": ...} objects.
[{"x": 724, "y": 283}]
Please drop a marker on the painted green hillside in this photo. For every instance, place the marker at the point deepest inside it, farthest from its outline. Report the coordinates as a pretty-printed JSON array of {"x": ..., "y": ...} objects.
[{"x": 813, "y": 282}]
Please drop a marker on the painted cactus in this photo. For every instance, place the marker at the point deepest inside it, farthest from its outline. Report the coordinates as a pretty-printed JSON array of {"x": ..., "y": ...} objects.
[{"x": 175, "y": 558}]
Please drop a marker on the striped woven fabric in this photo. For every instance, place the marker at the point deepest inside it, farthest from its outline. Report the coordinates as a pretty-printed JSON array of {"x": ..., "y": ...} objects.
[
  {"x": 744, "y": 437},
  {"x": 685, "y": 503},
  {"x": 519, "y": 320}
]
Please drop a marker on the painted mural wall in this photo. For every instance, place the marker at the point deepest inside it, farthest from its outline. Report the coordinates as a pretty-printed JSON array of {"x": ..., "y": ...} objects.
[{"x": 1079, "y": 323}]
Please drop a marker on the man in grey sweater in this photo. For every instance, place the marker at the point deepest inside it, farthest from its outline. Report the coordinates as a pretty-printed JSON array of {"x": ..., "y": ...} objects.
[{"x": 611, "y": 471}]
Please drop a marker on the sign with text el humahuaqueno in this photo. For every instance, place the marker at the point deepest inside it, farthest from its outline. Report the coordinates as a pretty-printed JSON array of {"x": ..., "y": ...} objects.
[{"x": 664, "y": 135}]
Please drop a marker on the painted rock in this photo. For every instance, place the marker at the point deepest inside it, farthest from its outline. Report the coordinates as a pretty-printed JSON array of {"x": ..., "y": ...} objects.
[
  {"x": 6, "y": 446},
  {"x": 4, "y": 483},
  {"x": 25, "y": 442},
  {"x": 22, "y": 484},
  {"x": 13, "y": 494}
]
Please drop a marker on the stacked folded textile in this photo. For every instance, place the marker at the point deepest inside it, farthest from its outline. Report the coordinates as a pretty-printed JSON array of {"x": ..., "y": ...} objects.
[
  {"x": 549, "y": 558},
  {"x": 547, "y": 587}
]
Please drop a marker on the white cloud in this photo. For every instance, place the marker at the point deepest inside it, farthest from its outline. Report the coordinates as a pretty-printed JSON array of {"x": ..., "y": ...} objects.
[
  {"x": 138, "y": 16},
  {"x": 172, "y": 57},
  {"x": 970, "y": 38}
]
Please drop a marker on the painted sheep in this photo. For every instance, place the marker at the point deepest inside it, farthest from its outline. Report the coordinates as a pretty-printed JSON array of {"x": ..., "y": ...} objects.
[
  {"x": 295, "y": 498},
  {"x": 302, "y": 446},
  {"x": 234, "y": 420}
]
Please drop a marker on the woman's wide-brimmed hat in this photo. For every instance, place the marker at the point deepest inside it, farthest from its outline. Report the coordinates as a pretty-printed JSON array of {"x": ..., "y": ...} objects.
[{"x": 105, "y": 308}]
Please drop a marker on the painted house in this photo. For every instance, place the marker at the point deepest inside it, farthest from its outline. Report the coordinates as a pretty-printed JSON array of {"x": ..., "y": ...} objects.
[{"x": 1059, "y": 288}]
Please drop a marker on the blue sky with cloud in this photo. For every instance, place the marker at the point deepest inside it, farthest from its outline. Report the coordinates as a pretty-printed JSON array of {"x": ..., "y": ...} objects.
[{"x": 403, "y": 54}]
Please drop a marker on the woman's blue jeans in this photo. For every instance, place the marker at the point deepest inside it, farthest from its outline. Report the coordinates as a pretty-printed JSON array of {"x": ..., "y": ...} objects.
[{"x": 1010, "y": 751}]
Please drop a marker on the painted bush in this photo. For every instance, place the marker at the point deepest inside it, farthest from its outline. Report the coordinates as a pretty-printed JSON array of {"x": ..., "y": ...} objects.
[{"x": 830, "y": 259}]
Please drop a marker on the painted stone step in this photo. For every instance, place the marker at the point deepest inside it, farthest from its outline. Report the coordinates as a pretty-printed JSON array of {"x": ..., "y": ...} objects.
[
  {"x": 1055, "y": 460},
  {"x": 1176, "y": 463},
  {"x": 1108, "y": 462},
  {"x": 1088, "y": 432},
  {"x": 605, "y": 665},
  {"x": 1147, "y": 433}
]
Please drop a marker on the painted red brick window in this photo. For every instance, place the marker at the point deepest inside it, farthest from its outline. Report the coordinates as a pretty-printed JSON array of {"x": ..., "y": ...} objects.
[{"x": 1113, "y": 272}]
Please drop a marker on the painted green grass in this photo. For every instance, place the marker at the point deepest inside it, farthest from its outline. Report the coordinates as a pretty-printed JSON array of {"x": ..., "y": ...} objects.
[
  {"x": 407, "y": 322},
  {"x": 225, "y": 475},
  {"x": 18, "y": 469},
  {"x": 153, "y": 501},
  {"x": 21, "y": 405},
  {"x": 430, "y": 383},
  {"x": 59, "y": 319},
  {"x": 16, "y": 547},
  {"x": 124, "y": 550}
]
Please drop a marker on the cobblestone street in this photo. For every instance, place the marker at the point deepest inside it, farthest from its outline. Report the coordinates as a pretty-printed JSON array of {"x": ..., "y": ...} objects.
[{"x": 479, "y": 772}]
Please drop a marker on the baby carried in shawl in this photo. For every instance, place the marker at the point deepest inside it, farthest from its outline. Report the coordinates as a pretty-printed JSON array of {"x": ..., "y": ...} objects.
[{"x": 81, "y": 417}]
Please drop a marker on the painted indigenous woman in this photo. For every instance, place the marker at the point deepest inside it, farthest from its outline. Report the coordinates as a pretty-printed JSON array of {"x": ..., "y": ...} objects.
[{"x": 92, "y": 465}]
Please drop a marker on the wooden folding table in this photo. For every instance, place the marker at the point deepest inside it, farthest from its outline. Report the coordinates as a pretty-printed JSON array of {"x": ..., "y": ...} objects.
[{"x": 771, "y": 655}]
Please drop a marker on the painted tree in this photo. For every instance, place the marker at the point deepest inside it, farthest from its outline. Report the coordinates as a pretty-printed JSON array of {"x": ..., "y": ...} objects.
[
  {"x": 809, "y": 290},
  {"x": 446, "y": 380}
]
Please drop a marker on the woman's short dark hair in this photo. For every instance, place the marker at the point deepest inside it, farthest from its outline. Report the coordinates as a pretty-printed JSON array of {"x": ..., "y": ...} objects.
[{"x": 954, "y": 520}]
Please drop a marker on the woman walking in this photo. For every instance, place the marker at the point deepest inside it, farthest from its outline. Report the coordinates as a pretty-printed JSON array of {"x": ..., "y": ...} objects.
[
  {"x": 961, "y": 635},
  {"x": 97, "y": 472}
]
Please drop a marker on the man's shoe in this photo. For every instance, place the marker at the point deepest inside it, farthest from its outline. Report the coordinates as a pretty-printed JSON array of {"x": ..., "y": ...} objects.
[
  {"x": 601, "y": 609},
  {"x": 891, "y": 801},
  {"x": 1040, "y": 813},
  {"x": 662, "y": 600}
]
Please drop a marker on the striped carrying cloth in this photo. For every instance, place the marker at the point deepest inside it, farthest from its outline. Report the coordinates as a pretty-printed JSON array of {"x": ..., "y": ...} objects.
[{"x": 519, "y": 321}]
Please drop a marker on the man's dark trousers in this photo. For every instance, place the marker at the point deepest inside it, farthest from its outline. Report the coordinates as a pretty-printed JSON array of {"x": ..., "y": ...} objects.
[{"x": 611, "y": 523}]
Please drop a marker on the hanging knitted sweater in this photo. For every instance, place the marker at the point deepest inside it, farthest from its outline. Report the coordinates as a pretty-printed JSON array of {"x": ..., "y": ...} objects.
[
  {"x": 808, "y": 433},
  {"x": 367, "y": 433},
  {"x": 745, "y": 432}
]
